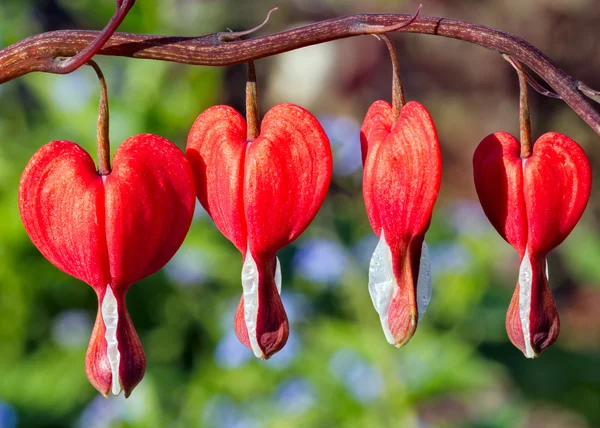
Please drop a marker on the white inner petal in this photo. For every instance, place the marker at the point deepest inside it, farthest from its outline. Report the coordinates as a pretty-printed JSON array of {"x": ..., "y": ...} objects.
[
  {"x": 110, "y": 317},
  {"x": 525, "y": 281},
  {"x": 278, "y": 276},
  {"x": 250, "y": 292},
  {"x": 424, "y": 282},
  {"x": 382, "y": 284}
]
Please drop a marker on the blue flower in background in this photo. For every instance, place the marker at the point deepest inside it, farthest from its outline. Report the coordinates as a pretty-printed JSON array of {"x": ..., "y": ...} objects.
[
  {"x": 363, "y": 380},
  {"x": 364, "y": 248},
  {"x": 452, "y": 257},
  {"x": 99, "y": 413},
  {"x": 297, "y": 306},
  {"x": 467, "y": 217},
  {"x": 295, "y": 396},
  {"x": 188, "y": 267},
  {"x": 104, "y": 412},
  {"x": 8, "y": 415},
  {"x": 72, "y": 329},
  {"x": 221, "y": 412},
  {"x": 320, "y": 260},
  {"x": 230, "y": 352},
  {"x": 73, "y": 93},
  {"x": 344, "y": 134}
]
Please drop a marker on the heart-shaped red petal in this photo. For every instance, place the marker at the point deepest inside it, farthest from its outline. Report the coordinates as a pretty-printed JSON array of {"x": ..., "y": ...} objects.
[
  {"x": 534, "y": 204},
  {"x": 61, "y": 201},
  {"x": 262, "y": 195},
  {"x": 149, "y": 207},
  {"x": 402, "y": 178},
  {"x": 110, "y": 232},
  {"x": 558, "y": 180},
  {"x": 498, "y": 170}
]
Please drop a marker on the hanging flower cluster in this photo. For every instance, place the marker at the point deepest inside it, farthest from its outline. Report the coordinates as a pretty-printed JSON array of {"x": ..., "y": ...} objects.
[{"x": 263, "y": 182}]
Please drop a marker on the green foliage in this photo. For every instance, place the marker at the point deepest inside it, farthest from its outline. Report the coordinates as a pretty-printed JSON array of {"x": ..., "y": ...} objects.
[{"x": 337, "y": 370}]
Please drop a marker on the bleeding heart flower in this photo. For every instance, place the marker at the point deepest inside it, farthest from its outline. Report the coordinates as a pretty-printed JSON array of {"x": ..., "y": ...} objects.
[
  {"x": 261, "y": 195},
  {"x": 534, "y": 204},
  {"x": 402, "y": 177},
  {"x": 109, "y": 231}
]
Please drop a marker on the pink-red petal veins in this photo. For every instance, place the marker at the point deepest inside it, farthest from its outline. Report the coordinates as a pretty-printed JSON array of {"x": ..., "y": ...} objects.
[
  {"x": 216, "y": 149},
  {"x": 61, "y": 202},
  {"x": 402, "y": 178},
  {"x": 287, "y": 174},
  {"x": 150, "y": 203},
  {"x": 558, "y": 181},
  {"x": 376, "y": 126},
  {"x": 498, "y": 172}
]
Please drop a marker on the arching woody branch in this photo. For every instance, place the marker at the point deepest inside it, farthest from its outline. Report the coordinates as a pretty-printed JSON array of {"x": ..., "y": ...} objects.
[{"x": 33, "y": 53}]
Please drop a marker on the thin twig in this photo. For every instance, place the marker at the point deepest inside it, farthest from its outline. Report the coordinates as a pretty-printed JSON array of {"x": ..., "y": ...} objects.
[
  {"x": 589, "y": 92},
  {"x": 229, "y": 36}
]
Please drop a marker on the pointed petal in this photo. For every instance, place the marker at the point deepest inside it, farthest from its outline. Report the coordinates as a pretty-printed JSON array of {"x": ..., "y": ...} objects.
[
  {"x": 216, "y": 149},
  {"x": 532, "y": 321},
  {"x": 150, "y": 202},
  {"x": 132, "y": 365},
  {"x": 398, "y": 315},
  {"x": 265, "y": 332},
  {"x": 401, "y": 182},
  {"x": 115, "y": 359},
  {"x": 97, "y": 366},
  {"x": 498, "y": 173},
  {"x": 61, "y": 202}
]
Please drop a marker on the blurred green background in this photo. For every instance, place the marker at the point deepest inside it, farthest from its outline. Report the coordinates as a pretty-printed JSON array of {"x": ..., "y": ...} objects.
[{"x": 337, "y": 369}]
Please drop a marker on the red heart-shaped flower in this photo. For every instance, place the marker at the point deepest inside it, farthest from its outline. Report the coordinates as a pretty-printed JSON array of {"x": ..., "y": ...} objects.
[
  {"x": 109, "y": 231},
  {"x": 261, "y": 195},
  {"x": 402, "y": 177},
  {"x": 534, "y": 204}
]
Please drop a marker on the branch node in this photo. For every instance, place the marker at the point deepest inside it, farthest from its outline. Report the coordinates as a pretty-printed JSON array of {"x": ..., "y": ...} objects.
[
  {"x": 71, "y": 64},
  {"x": 380, "y": 29},
  {"x": 592, "y": 94},
  {"x": 535, "y": 85}
]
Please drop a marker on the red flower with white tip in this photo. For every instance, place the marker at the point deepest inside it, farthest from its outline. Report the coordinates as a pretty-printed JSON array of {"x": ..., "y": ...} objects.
[
  {"x": 401, "y": 182},
  {"x": 262, "y": 185},
  {"x": 534, "y": 204},
  {"x": 109, "y": 228},
  {"x": 534, "y": 195},
  {"x": 109, "y": 231}
]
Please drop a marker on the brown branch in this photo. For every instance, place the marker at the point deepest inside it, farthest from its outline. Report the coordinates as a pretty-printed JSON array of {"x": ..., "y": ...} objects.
[
  {"x": 32, "y": 54},
  {"x": 65, "y": 66}
]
